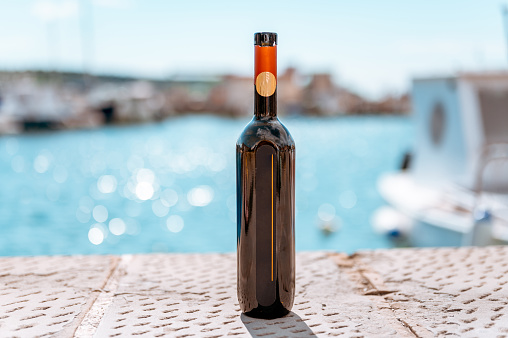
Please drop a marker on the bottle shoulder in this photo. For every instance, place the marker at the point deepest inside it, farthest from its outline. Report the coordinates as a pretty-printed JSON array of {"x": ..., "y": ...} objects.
[{"x": 268, "y": 130}]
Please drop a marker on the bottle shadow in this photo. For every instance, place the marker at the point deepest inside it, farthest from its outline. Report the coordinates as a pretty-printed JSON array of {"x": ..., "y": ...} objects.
[{"x": 291, "y": 326}]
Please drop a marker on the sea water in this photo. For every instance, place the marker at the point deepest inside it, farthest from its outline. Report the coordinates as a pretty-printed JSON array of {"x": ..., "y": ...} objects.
[{"x": 170, "y": 186}]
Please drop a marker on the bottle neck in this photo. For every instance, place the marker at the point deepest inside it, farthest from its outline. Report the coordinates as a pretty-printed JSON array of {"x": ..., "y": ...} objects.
[{"x": 265, "y": 81}]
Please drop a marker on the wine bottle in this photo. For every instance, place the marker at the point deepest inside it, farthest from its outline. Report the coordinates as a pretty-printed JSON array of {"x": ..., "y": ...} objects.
[{"x": 265, "y": 178}]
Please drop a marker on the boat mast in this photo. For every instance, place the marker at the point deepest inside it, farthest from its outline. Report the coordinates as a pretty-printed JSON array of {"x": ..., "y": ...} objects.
[
  {"x": 505, "y": 24},
  {"x": 87, "y": 43}
]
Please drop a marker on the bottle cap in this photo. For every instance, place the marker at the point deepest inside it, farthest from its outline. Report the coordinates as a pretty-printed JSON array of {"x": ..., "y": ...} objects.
[{"x": 265, "y": 39}]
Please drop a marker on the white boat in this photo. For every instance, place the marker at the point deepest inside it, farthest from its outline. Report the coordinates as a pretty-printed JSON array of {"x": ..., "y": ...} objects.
[
  {"x": 29, "y": 106},
  {"x": 455, "y": 191},
  {"x": 444, "y": 216}
]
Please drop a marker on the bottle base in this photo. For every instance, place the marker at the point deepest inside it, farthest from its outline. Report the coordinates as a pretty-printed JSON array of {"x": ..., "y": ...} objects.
[{"x": 268, "y": 312}]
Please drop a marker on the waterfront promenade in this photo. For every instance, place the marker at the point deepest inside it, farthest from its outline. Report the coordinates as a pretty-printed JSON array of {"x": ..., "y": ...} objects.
[{"x": 398, "y": 292}]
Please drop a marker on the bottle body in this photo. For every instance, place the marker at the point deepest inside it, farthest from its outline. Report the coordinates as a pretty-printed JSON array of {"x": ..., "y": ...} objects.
[
  {"x": 265, "y": 167},
  {"x": 265, "y": 155}
]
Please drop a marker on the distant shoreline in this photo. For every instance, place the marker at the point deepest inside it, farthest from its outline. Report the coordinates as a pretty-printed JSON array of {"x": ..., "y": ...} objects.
[{"x": 38, "y": 100}]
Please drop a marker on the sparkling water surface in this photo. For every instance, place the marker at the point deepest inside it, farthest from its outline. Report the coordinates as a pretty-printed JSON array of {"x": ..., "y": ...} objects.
[{"x": 170, "y": 186}]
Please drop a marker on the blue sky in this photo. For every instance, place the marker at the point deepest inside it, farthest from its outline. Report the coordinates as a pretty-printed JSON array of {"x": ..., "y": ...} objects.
[{"x": 375, "y": 47}]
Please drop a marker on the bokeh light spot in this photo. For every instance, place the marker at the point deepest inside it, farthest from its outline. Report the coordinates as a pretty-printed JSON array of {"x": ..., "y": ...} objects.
[
  {"x": 83, "y": 214},
  {"x": 169, "y": 197},
  {"x": 159, "y": 209},
  {"x": 107, "y": 184},
  {"x": 144, "y": 191},
  {"x": 41, "y": 164},
  {"x": 348, "y": 199},
  {"x": 95, "y": 236},
  {"x": 175, "y": 223},
  {"x": 117, "y": 226},
  {"x": 100, "y": 213},
  {"x": 145, "y": 175},
  {"x": 60, "y": 174},
  {"x": 326, "y": 212},
  {"x": 200, "y": 196}
]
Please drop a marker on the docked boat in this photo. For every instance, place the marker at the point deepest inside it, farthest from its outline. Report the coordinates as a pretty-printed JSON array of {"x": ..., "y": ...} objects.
[
  {"x": 455, "y": 189},
  {"x": 29, "y": 108}
]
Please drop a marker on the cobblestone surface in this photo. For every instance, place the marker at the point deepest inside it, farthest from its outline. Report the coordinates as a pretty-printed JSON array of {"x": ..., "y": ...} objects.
[
  {"x": 400, "y": 292},
  {"x": 42, "y": 296},
  {"x": 460, "y": 292}
]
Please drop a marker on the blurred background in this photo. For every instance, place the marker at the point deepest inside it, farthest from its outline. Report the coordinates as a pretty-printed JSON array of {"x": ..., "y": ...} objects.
[{"x": 118, "y": 122}]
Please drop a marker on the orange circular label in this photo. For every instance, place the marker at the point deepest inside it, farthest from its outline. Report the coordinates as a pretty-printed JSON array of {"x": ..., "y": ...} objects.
[{"x": 266, "y": 84}]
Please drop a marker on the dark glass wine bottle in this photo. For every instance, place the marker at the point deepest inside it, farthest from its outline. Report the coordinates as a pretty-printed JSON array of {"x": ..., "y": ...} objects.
[{"x": 265, "y": 179}]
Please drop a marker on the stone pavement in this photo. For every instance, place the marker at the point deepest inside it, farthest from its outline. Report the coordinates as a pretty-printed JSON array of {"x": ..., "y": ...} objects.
[{"x": 399, "y": 292}]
